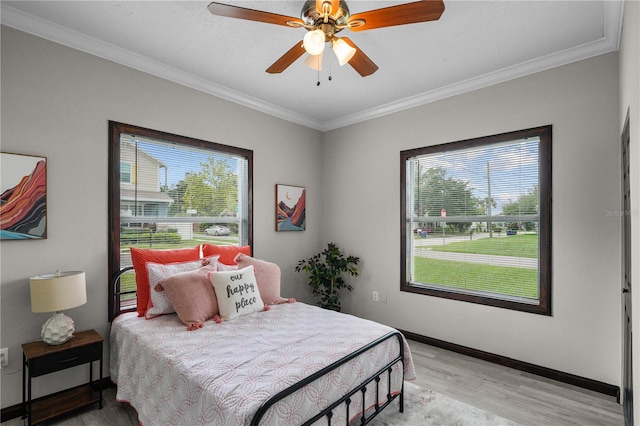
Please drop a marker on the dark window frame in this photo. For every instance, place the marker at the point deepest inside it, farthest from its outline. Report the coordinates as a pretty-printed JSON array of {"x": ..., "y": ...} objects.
[
  {"x": 543, "y": 306},
  {"x": 115, "y": 130}
]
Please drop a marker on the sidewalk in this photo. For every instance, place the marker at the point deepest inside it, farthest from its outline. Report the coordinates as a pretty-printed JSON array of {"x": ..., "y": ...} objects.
[{"x": 517, "y": 262}]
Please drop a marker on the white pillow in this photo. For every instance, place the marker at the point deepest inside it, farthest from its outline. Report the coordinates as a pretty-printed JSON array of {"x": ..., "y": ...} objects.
[
  {"x": 237, "y": 292},
  {"x": 158, "y": 301},
  {"x": 223, "y": 267}
]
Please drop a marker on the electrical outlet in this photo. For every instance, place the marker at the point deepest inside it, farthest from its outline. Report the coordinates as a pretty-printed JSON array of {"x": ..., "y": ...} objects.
[
  {"x": 376, "y": 296},
  {"x": 4, "y": 357}
]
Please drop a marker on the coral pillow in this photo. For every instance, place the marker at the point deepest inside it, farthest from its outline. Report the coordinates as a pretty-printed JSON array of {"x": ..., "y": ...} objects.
[
  {"x": 192, "y": 296},
  {"x": 139, "y": 259},
  {"x": 159, "y": 303},
  {"x": 227, "y": 253},
  {"x": 267, "y": 277},
  {"x": 237, "y": 292}
]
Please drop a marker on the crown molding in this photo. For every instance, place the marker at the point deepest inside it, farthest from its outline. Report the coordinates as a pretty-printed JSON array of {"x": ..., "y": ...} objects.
[
  {"x": 608, "y": 43},
  {"x": 30, "y": 24},
  {"x": 19, "y": 20}
]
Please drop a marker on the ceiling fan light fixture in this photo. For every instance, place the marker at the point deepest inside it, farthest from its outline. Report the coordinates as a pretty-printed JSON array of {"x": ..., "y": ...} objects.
[
  {"x": 313, "y": 42},
  {"x": 314, "y": 62},
  {"x": 343, "y": 51}
]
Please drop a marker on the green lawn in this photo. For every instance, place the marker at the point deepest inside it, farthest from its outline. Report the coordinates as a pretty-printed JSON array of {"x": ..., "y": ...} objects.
[
  {"x": 519, "y": 282},
  {"x": 128, "y": 283},
  {"x": 515, "y": 245},
  {"x": 509, "y": 281}
]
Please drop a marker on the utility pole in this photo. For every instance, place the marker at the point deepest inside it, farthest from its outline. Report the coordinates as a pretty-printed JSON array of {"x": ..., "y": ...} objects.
[{"x": 489, "y": 224}]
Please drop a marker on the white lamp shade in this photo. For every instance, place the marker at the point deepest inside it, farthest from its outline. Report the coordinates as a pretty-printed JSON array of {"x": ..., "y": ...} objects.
[
  {"x": 56, "y": 292},
  {"x": 343, "y": 51},
  {"x": 313, "y": 42},
  {"x": 314, "y": 62}
]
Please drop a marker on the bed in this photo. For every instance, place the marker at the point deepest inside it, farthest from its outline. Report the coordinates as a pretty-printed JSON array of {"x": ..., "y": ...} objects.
[{"x": 289, "y": 365}]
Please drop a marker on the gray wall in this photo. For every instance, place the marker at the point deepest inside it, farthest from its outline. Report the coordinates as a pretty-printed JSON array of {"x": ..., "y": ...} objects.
[
  {"x": 630, "y": 101},
  {"x": 56, "y": 103},
  {"x": 580, "y": 100}
]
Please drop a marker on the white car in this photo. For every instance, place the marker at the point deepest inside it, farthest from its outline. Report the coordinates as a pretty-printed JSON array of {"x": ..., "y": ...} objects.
[{"x": 217, "y": 230}]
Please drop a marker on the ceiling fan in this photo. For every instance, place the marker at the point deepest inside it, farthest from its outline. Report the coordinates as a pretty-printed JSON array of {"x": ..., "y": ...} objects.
[{"x": 323, "y": 19}]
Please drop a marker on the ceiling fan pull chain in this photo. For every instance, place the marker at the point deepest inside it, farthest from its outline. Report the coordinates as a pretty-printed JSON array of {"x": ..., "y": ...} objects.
[
  {"x": 318, "y": 83},
  {"x": 330, "y": 72}
]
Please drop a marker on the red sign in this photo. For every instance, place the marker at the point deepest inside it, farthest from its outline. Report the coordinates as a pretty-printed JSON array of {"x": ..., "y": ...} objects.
[{"x": 443, "y": 213}]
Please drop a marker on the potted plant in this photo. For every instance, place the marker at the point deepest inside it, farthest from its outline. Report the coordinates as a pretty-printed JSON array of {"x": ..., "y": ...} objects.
[{"x": 325, "y": 274}]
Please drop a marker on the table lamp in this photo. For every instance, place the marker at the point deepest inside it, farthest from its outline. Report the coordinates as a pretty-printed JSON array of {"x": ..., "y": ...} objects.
[{"x": 53, "y": 293}]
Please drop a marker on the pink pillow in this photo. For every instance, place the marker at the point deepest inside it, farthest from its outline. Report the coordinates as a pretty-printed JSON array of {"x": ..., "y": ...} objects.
[
  {"x": 227, "y": 253},
  {"x": 158, "y": 302},
  {"x": 267, "y": 278},
  {"x": 139, "y": 259},
  {"x": 192, "y": 296}
]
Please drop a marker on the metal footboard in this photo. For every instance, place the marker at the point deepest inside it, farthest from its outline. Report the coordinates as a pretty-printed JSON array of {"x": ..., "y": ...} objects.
[{"x": 348, "y": 398}]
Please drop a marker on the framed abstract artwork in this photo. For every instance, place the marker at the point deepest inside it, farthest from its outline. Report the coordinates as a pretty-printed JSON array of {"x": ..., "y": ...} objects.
[
  {"x": 23, "y": 197},
  {"x": 290, "y": 208}
]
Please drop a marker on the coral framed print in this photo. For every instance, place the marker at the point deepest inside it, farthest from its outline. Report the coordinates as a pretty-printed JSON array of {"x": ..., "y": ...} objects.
[
  {"x": 290, "y": 208},
  {"x": 23, "y": 197}
]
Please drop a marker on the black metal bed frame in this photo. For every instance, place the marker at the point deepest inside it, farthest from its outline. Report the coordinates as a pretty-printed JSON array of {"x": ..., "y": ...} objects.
[
  {"x": 347, "y": 399},
  {"x": 114, "y": 310}
]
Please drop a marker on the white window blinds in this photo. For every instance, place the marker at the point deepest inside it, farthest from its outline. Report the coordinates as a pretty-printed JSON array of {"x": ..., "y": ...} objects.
[
  {"x": 472, "y": 219},
  {"x": 170, "y": 193}
]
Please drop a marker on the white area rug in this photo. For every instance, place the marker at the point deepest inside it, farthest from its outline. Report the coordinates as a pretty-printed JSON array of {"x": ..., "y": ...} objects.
[{"x": 423, "y": 407}]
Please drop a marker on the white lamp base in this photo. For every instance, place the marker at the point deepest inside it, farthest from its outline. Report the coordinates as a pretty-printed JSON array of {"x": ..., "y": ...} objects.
[{"x": 58, "y": 329}]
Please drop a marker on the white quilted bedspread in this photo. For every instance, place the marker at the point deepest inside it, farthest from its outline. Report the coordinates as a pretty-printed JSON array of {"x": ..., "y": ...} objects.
[{"x": 222, "y": 373}]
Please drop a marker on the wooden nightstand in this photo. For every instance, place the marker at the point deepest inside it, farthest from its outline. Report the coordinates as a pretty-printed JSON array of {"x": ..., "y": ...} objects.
[{"x": 40, "y": 358}]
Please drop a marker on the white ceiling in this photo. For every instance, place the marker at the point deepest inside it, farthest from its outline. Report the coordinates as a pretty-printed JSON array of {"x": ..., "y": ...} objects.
[{"x": 474, "y": 44}]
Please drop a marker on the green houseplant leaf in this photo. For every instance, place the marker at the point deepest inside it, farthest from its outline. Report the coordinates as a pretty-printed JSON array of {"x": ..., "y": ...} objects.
[{"x": 325, "y": 271}]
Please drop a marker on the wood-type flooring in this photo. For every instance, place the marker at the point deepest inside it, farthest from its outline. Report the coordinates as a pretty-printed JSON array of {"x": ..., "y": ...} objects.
[{"x": 515, "y": 395}]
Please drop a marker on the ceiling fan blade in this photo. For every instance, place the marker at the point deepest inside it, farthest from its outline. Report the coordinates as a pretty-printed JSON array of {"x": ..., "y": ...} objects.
[
  {"x": 361, "y": 62},
  {"x": 408, "y": 13},
  {"x": 229, "y": 11},
  {"x": 287, "y": 59}
]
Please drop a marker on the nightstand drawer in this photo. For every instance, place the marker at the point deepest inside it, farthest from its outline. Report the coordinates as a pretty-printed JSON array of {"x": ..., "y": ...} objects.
[{"x": 66, "y": 359}]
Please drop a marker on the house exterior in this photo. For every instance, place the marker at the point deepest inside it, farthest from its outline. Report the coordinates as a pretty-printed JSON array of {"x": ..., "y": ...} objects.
[
  {"x": 140, "y": 186},
  {"x": 57, "y": 102}
]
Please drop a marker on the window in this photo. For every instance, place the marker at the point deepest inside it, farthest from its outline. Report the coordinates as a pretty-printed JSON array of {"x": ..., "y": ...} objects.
[
  {"x": 476, "y": 220},
  {"x": 167, "y": 191},
  {"x": 125, "y": 173}
]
